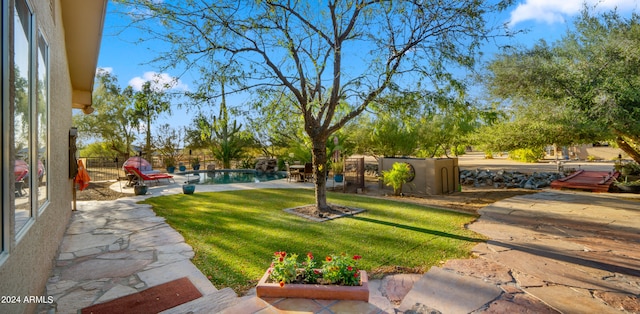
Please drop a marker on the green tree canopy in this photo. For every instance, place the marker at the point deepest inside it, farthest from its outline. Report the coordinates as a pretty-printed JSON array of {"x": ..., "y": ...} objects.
[
  {"x": 113, "y": 121},
  {"x": 150, "y": 102},
  {"x": 583, "y": 87}
]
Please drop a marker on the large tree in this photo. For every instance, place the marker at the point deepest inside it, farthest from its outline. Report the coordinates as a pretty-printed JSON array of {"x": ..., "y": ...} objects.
[
  {"x": 113, "y": 121},
  {"x": 150, "y": 102},
  {"x": 586, "y": 84},
  {"x": 323, "y": 53}
]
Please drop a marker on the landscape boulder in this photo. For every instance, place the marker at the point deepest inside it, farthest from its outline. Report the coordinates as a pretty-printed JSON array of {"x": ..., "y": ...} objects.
[{"x": 508, "y": 179}]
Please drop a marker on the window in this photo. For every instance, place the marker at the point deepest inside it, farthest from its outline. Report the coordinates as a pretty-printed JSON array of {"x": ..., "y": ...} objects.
[
  {"x": 21, "y": 99},
  {"x": 25, "y": 121}
]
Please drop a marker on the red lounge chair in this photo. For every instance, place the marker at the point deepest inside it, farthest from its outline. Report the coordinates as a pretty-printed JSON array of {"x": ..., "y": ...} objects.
[{"x": 148, "y": 177}]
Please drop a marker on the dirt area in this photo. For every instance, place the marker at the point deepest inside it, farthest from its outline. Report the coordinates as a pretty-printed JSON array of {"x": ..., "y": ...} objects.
[
  {"x": 99, "y": 191},
  {"x": 469, "y": 200}
]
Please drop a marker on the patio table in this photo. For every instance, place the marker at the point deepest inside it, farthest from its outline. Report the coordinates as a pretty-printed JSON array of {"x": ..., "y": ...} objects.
[{"x": 298, "y": 171}]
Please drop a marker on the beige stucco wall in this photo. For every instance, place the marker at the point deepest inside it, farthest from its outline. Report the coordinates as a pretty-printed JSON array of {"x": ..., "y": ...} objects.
[
  {"x": 434, "y": 176},
  {"x": 27, "y": 268}
]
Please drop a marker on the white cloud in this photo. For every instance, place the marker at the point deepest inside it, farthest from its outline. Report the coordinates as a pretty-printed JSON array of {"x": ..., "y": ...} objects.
[
  {"x": 555, "y": 11},
  {"x": 159, "y": 81}
]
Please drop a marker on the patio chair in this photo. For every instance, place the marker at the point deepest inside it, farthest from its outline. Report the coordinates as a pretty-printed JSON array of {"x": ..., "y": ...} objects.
[
  {"x": 141, "y": 177},
  {"x": 292, "y": 173}
]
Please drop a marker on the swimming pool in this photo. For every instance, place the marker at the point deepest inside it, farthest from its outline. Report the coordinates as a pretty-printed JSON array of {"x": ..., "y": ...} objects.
[{"x": 226, "y": 176}]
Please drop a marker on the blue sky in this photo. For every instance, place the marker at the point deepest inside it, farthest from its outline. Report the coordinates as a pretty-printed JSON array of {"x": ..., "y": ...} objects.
[{"x": 544, "y": 19}]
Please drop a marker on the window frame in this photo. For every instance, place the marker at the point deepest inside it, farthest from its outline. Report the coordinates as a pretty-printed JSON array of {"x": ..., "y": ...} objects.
[
  {"x": 41, "y": 39},
  {"x": 5, "y": 218}
]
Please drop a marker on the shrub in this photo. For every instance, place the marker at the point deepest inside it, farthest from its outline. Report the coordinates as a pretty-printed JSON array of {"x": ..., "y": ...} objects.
[
  {"x": 527, "y": 154},
  {"x": 397, "y": 176}
]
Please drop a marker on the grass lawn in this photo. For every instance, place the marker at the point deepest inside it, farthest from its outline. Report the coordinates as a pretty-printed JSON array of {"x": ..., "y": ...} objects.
[{"x": 234, "y": 234}]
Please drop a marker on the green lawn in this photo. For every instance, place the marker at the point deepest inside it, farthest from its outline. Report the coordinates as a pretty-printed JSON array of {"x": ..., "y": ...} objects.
[{"x": 234, "y": 234}]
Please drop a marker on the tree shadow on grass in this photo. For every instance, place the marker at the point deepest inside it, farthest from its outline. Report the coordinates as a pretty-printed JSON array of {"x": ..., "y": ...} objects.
[{"x": 418, "y": 229}]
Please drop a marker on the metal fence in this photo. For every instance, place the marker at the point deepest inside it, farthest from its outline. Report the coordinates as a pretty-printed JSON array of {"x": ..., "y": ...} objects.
[
  {"x": 103, "y": 169},
  {"x": 353, "y": 173},
  {"x": 106, "y": 168}
]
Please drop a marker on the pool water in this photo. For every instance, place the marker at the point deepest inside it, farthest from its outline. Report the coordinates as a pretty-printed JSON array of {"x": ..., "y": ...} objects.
[{"x": 238, "y": 176}]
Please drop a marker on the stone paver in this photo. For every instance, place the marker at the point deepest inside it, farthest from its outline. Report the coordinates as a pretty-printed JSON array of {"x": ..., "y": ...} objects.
[
  {"x": 449, "y": 292},
  {"x": 396, "y": 287},
  {"x": 116, "y": 248},
  {"x": 576, "y": 252}
]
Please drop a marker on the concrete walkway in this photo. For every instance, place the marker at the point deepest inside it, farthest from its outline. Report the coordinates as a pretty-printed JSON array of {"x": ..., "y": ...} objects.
[{"x": 549, "y": 252}]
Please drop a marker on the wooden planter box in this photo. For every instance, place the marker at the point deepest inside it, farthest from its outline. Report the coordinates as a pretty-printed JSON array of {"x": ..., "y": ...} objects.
[{"x": 314, "y": 291}]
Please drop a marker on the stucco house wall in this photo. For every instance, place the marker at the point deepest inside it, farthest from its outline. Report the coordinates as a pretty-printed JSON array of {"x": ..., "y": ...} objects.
[{"x": 26, "y": 263}]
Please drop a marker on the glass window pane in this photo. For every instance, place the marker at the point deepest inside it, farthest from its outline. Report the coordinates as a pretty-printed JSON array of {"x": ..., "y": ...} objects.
[
  {"x": 21, "y": 96},
  {"x": 42, "y": 115}
]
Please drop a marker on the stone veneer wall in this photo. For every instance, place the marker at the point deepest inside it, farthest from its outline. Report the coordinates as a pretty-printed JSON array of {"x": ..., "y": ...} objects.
[{"x": 27, "y": 268}]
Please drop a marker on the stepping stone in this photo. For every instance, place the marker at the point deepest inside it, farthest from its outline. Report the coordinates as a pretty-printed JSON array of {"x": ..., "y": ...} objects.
[
  {"x": 570, "y": 300},
  {"x": 169, "y": 272},
  {"x": 397, "y": 286},
  {"x": 449, "y": 292}
]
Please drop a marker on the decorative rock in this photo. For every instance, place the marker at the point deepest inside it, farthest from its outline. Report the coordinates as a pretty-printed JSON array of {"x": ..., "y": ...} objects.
[
  {"x": 266, "y": 165},
  {"x": 507, "y": 179}
]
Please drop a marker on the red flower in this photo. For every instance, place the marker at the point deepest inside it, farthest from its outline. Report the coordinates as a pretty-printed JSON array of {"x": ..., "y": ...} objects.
[
  {"x": 357, "y": 257},
  {"x": 356, "y": 274},
  {"x": 349, "y": 268},
  {"x": 281, "y": 259},
  {"x": 281, "y": 284},
  {"x": 283, "y": 254},
  {"x": 328, "y": 258},
  {"x": 276, "y": 253},
  {"x": 310, "y": 255},
  {"x": 317, "y": 272}
]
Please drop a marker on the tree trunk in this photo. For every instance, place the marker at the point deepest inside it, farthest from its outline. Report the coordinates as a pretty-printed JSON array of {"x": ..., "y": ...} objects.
[
  {"x": 627, "y": 148},
  {"x": 320, "y": 173}
]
